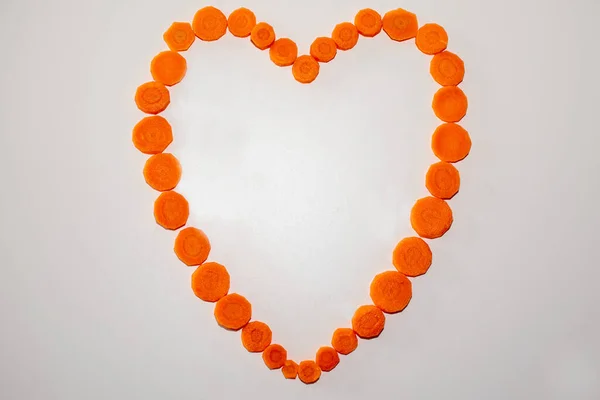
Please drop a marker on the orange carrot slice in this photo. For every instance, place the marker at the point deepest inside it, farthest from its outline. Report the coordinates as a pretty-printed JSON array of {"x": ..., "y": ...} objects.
[
  {"x": 327, "y": 358},
  {"x": 289, "y": 369},
  {"x": 447, "y": 69},
  {"x": 368, "y": 321},
  {"x": 431, "y": 39},
  {"x": 323, "y": 49},
  {"x": 431, "y": 217},
  {"x": 368, "y": 22},
  {"x": 171, "y": 210},
  {"x": 192, "y": 246},
  {"x": 344, "y": 340},
  {"x": 233, "y": 311},
  {"x": 168, "y": 67},
  {"x": 309, "y": 372},
  {"x": 391, "y": 291},
  {"x": 400, "y": 24},
  {"x": 442, "y": 180},
  {"x": 210, "y": 282},
  {"x": 256, "y": 336},
  {"x": 283, "y": 52},
  {"x": 450, "y": 104},
  {"x": 412, "y": 256},
  {"x": 274, "y": 356},
  {"x": 450, "y": 142},
  {"x": 241, "y": 22},
  {"x": 305, "y": 69},
  {"x": 152, "y": 97},
  {"x": 209, "y": 24},
  {"x": 262, "y": 35},
  {"x": 179, "y": 36},
  {"x": 345, "y": 35},
  {"x": 152, "y": 135},
  {"x": 162, "y": 172}
]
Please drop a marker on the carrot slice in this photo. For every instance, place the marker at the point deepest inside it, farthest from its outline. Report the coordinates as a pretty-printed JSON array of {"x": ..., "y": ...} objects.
[
  {"x": 168, "y": 67},
  {"x": 400, "y": 24},
  {"x": 323, "y": 49},
  {"x": 450, "y": 104},
  {"x": 152, "y": 135},
  {"x": 241, "y": 22},
  {"x": 289, "y": 369},
  {"x": 152, "y": 97},
  {"x": 431, "y": 39},
  {"x": 368, "y": 22},
  {"x": 391, "y": 291},
  {"x": 309, "y": 371},
  {"x": 368, "y": 321},
  {"x": 209, "y": 24},
  {"x": 412, "y": 256},
  {"x": 447, "y": 69},
  {"x": 262, "y": 35},
  {"x": 283, "y": 52},
  {"x": 233, "y": 311},
  {"x": 192, "y": 246},
  {"x": 274, "y": 356},
  {"x": 179, "y": 36},
  {"x": 442, "y": 180},
  {"x": 345, "y": 35},
  {"x": 450, "y": 142},
  {"x": 305, "y": 69},
  {"x": 171, "y": 210},
  {"x": 344, "y": 340},
  {"x": 327, "y": 358},
  {"x": 256, "y": 336},
  {"x": 431, "y": 217},
  {"x": 162, "y": 171},
  {"x": 210, "y": 281}
]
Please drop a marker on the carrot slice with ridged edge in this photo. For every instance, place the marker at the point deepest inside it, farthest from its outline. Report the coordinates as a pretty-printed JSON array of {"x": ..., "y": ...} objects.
[
  {"x": 431, "y": 39},
  {"x": 431, "y": 217},
  {"x": 442, "y": 180},
  {"x": 344, "y": 340},
  {"x": 308, "y": 371},
  {"x": 345, "y": 35},
  {"x": 210, "y": 282},
  {"x": 450, "y": 104},
  {"x": 179, "y": 36},
  {"x": 262, "y": 35},
  {"x": 241, "y": 22},
  {"x": 400, "y": 24},
  {"x": 450, "y": 142},
  {"x": 233, "y": 311},
  {"x": 209, "y": 24},
  {"x": 368, "y": 22},
  {"x": 289, "y": 369},
  {"x": 283, "y": 52},
  {"x": 171, "y": 210},
  {"x": 274, "y": 356},
  {"x": 368, "y": 321},
  {"x": 152, "y": 97},
  {"x": 256, "y": 336},
  {"x": 391, "y": 291},
  {"x": 447, "y": 68},
  {"x": 168, "y": 67},
  {"x": 305, "y": 69},
  {"x": 327, "y": 358},
  {"x": 192, "y": 246},
  {"x": 152, "y": 135},
  {"x": 323, "y": 49},
  {"x": 412, "y": 256},
  {"x": 162, "y": 171}
]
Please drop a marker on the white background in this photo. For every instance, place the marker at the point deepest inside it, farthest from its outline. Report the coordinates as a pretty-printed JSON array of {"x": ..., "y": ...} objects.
[{"x": 304, "y": 190}]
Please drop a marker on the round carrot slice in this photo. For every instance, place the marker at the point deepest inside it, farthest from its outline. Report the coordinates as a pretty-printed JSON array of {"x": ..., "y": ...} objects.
[
  {"x": 400, "y": 24},
  {"x": 168, "y": 67},
  {"x": 450, "y": 142},
  {"x": 162, "y": 171},
  {"x": 368, "y": 22},
  {"x": 274, "y": 356},
  {"x": 442, "y": 180},
  {"x": 209, "y": 24},
  {"x": 210, "y": 281},
  {"x": 289, "y": 369},
  {"x": 412, "y": 256},
  {"x": 344, "y": 340},
  {"x": 431, "y": 39},
  {"x": 152, "y": 135},
  {"x": 368, "y": 321},
  {"x": 431, "y": 217},
  {"x": 192, "y": 246},
  {"x": 309, "y": 371},
  {"x": 256, "y": 336},
  {"x": 345, "y": 35},
  {"x": 450, "y": 104},
  {"x": 171, "y": 210},
  {"x": 391, "y": 291},
  {"x": 305, "y": 69},
  {"x": 262, "y": 35},
  {"x": 179, "y": 36},
  {"x": 241, "y": 22},
  {"x": 323, "y": 49},
  {"x": 152, "y": 97},
  {"x": 283, "y": 52},
  {"x": 327, "y": 358},
  {"x": 447, "y": 69},
  {"x": 233, "y": 311}
]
